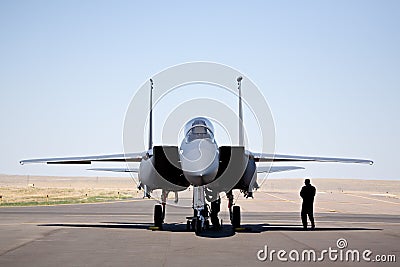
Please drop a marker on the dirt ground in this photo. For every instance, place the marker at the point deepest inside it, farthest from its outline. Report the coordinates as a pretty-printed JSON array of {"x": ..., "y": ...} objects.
[{"x": 34, "y": 190}]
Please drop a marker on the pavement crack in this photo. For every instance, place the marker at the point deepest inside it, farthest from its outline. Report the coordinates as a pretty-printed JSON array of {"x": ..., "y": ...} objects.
[
  {"x": 29, "y": 242},
  {"x": 296, "y": 240}
]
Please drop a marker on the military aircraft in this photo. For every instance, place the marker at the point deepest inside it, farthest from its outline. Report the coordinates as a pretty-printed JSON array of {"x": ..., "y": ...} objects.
[{"x": 201, "y": 163}]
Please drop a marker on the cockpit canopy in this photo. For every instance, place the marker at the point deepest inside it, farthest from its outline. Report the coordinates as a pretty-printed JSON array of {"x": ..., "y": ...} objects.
[{"x": 199, "y": 128}]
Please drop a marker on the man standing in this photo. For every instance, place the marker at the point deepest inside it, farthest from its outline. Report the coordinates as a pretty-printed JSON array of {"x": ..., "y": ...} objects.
[{"x": 307, "y": 193}]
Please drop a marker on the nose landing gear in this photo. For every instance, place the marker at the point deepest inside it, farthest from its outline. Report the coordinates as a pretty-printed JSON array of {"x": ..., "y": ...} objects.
[
  {"x": 199, "y": 221},
  {"x": 197, "y": 224}
]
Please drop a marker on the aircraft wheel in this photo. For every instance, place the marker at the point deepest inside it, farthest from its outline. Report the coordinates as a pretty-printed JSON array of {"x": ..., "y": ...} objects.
[
  {"x": 236, "y": 217},
  {"x": 188, "y": 225},
  {"x": 158, "y": 216},
  {"x": 193, "y": 224},
  {"x": 197, "y": 226}
]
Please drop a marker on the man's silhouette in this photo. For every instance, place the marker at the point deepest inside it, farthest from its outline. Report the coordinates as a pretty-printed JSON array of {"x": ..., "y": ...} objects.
[{"x": 308, "y": 194}]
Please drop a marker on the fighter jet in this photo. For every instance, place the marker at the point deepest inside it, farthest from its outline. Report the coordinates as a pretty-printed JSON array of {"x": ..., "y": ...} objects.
[{"x": 198, "y": 162}]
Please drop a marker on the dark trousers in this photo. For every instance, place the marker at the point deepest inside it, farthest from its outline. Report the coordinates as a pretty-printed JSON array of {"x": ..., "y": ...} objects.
[{"x": 307, "y": 210}]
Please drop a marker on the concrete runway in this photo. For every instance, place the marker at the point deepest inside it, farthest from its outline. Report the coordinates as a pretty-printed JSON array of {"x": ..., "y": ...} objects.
[{"x": 117, "y": 234}]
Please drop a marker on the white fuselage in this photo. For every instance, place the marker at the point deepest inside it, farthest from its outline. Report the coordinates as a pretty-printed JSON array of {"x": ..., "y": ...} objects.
[{"x": 199, "y": 160}]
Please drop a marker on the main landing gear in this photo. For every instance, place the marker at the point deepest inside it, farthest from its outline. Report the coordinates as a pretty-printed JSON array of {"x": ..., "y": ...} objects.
[
  {"x": 235, "y": 217},
  {"x": 159, "y": 211},
  {"x": 234, "y": 212},
  {"x": 158, "y": 216}
]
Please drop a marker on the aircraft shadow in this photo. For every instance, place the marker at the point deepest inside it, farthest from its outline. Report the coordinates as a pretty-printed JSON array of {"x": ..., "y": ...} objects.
[
  {"x": 259, "y": 228},
  {"x": 225, "y": 231}
]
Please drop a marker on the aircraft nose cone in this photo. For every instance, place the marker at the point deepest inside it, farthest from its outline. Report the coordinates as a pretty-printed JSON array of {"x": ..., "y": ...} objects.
[{"x": 199, "y": 161}]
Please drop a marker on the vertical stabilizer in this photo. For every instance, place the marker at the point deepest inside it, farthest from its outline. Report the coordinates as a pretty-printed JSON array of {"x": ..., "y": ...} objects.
[
  {"x": 151, "y": 116},
  {"x": 241, "y": 137}
]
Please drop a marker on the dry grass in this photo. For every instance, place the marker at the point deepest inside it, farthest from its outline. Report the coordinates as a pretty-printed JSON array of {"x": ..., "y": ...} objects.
[
  {"x": 42, "y": 196},
  {"x": 45, "y": 190},
  {"x": 18, "y": 191}
]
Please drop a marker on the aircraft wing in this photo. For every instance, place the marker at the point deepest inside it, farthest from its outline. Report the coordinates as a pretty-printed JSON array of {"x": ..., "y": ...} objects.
[
  {"x": 115, "y": 169},
  {"x": 260, "y": 157},
  {"x": 267, "y": 169},
  {"x": 129, "y": 157}
]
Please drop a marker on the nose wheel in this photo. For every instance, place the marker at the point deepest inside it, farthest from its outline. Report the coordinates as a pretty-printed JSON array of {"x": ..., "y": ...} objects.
[{"x": 196, "y": 224}]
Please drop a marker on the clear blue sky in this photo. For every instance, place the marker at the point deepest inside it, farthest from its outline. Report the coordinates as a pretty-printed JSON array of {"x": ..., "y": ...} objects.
[{"x": 330, "y": 71}]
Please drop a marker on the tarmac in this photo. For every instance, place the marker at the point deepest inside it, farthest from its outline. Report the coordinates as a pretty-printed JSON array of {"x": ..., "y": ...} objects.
[{"x": 118, "y": 233}]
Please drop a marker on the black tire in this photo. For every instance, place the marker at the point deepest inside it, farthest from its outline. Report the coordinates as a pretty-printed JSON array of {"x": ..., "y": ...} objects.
[
  {"x": 158, "y": 216},
  {"x": 188, "y": 224},
  {"x": 193, "y": 224},
  {"x": 197, "y": 226},
  {"x": 236, "y": 217}
]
